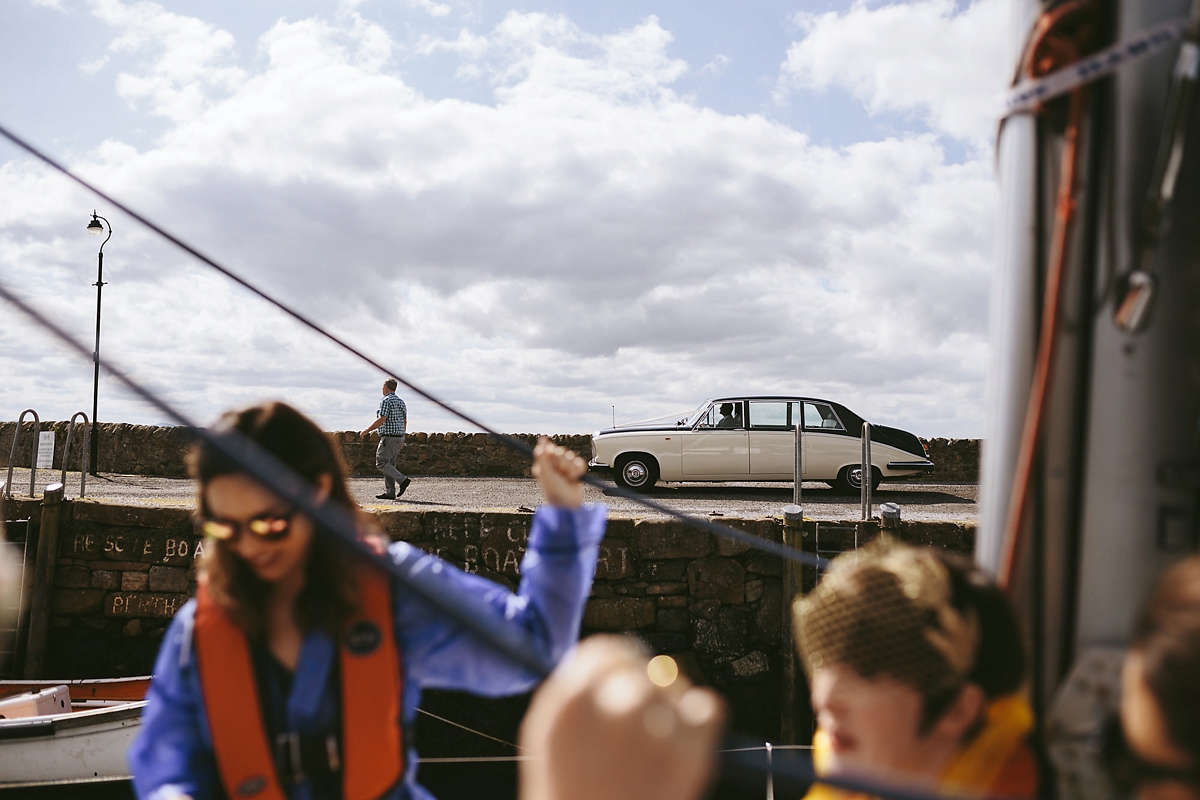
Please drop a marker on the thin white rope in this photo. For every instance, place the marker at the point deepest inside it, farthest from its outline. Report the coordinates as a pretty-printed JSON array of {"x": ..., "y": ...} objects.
[
  {"x": 469, "y": 730},
  {"x": 501, "y": 759},
  {"x": 475, "y": 759},
  {"x": 773, "y": 747}
]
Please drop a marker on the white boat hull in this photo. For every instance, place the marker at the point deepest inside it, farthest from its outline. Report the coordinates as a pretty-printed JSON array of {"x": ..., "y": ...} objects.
[{"x": 81, "y": 746}]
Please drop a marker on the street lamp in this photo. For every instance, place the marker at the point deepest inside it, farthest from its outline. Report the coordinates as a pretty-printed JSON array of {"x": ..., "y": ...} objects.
[{"x": 95, "y": 229}]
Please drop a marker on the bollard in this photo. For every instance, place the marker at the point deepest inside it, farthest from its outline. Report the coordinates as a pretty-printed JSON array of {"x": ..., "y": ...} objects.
[
  {"x": 793, "y": 535},
  {"x": 43, "y": 581},
  {"x": 889, "y": 516},
  {"x": 792, "y": 708},
  {"x": 866, "y": 473},
  {"x": 799, "y": 465}
]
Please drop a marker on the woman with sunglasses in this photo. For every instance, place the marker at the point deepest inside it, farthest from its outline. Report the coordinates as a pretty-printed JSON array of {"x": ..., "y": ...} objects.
[{"x": 298, "y": 668}]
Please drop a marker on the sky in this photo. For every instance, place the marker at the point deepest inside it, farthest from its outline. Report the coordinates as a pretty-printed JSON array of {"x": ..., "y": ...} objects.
[{"x": 552, "y": 214}]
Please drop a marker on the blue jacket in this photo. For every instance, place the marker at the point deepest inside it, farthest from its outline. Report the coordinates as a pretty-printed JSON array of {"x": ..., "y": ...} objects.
[{"x": 173, "y": 751}]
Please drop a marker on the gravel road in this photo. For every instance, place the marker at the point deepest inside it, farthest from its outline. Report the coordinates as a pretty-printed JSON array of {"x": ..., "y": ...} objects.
[{"x": 918, "y": 501}]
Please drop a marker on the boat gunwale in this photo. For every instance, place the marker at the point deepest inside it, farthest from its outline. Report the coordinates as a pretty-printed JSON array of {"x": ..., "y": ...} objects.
[{"x": 52, "y": 724}]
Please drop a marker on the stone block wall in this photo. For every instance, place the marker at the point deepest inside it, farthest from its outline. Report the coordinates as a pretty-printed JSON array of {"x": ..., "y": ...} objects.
[
  {"x": 122, "y": 448},
  {"x": 452, "y": 454},
  {"x": 149, "y": 450},
  {"x": 716, "y": 606},
  {"x": 121, "y": 573},
  {"x": 956, "y": 460}
]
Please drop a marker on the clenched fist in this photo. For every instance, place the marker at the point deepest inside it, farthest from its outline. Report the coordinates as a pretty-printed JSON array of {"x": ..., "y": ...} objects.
[
  {"x": 609, "y": 724},
  {"x": 558, "y": 470}
]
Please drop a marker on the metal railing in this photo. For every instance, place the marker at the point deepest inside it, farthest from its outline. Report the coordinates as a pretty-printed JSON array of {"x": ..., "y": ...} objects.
[
  {"x": 866, "y": 473},
  {"x": 83, "y": 458},
  {"x": 12, "y": 455}
]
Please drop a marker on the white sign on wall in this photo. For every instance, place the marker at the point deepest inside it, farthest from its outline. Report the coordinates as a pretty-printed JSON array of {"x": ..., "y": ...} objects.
[{"x": 46, "y": 450}]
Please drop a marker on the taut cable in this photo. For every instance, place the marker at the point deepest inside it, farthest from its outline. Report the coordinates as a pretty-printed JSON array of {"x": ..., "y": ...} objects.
[
  {"x": 699, "y": 523},
  {"x": 513, "y": 642}
]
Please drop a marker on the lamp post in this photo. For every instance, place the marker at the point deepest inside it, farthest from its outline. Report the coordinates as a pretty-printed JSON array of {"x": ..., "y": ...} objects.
[{"x": 95, "y": 229}]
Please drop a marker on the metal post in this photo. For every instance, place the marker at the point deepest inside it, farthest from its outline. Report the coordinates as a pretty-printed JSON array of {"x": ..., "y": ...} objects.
[
  {"x": 94, "y": 227},
  {"x": 793, "y": 587},
  {"x": 93, "y": 443},
  {"x": 39, "y": 606},
  {"x": 866, "y": 474},
  {"x": 799, "y": 465},
  {"x": 770, "y": 775}
]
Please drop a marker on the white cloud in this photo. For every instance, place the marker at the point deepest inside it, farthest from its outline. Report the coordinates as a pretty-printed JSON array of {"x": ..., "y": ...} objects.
[
  {"x": 466, "y": 44},
  {"x": 588, "y": 238},
  {"x": 927, "y": 57},
  {"x": 94, "y": 66},
  {"x": 192, "y": 59},
  {"x": 716, "y": 66},
  {"x": 431, "y": 8}
]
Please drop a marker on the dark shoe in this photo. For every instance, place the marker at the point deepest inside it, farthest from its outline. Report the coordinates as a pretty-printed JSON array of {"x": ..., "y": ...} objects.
[
  {"x": 403, "y": 485},
  {"x": 385, "y": 496}
]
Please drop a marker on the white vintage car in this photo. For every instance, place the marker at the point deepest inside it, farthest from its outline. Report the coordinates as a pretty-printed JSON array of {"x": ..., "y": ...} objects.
[{"x": 753, "y": 439}]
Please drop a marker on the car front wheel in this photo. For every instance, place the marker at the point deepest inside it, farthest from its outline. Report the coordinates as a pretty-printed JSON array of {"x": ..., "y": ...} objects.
[
  {"x": 849, "y": 480},
  {"x": 636, "y": 472}
]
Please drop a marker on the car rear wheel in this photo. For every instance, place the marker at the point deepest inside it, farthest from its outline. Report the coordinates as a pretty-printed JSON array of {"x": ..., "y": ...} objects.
[
  {"x": 849, "y": 480},
  {"x": 637, "y": 471}
]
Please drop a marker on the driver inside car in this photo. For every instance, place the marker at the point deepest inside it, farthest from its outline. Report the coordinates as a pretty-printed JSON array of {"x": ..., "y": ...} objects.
[{"x": 728, "y": 417}]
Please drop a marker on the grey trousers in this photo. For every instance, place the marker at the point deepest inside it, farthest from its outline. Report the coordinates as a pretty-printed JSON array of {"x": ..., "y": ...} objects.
[{"x": 385, "y": 460}]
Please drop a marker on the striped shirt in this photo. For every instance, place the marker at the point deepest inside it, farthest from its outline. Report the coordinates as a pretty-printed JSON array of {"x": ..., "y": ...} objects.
[{"x": 393, "y": 408}]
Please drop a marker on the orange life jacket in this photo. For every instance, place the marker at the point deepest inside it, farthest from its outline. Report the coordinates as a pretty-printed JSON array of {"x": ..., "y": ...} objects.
[{"x": 372, "y": 752}]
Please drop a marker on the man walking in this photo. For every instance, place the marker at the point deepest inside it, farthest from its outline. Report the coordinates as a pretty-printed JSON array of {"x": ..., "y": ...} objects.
[{"x": 392, "y": 418}]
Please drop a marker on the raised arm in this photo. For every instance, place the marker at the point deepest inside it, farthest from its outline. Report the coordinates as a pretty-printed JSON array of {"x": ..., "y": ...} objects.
[{"x": 556, "y": 578}]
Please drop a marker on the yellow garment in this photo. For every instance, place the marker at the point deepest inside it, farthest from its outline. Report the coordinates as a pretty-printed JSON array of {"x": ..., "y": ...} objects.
[{"x": 977, "y": 769}]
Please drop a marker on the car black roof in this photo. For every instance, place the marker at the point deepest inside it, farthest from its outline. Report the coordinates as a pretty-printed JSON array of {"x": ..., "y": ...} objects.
[{"x": 735, "y": 397}]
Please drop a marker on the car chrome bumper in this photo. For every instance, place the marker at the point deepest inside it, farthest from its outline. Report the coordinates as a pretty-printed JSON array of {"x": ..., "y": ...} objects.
[
  {"x": 924, "y": 466},
  {"x": 594, "y": 464}
]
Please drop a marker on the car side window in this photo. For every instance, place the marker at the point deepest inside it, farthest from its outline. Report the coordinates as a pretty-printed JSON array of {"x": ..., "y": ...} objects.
[
  {"x": 770, "y": 414},
  {"x": 820, "y": 416},
  {"x": 725, "y": 415}
]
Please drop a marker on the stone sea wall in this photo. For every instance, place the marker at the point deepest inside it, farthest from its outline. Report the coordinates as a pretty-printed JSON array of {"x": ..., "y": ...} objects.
[
  {"x": 149, "y": 450},
  {"x": 957, "y": 460},
  {"x": 716, "y": 606}
]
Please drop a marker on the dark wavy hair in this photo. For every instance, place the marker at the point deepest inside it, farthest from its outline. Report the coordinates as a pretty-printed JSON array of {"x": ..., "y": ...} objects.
[{"x": 329, "y": 593}]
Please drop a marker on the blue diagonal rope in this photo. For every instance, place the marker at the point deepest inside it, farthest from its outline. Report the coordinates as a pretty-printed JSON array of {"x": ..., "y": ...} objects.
[
  {"x": 412, "y": 573},
  {"x": 774, "y": 548}
]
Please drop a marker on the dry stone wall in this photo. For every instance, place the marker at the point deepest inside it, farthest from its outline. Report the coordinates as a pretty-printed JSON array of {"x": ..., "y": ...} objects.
[
  {"x": 149, "y": 450},
  {"x": 716, "y": 606},
  {"x": 956, "y": 460}
]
